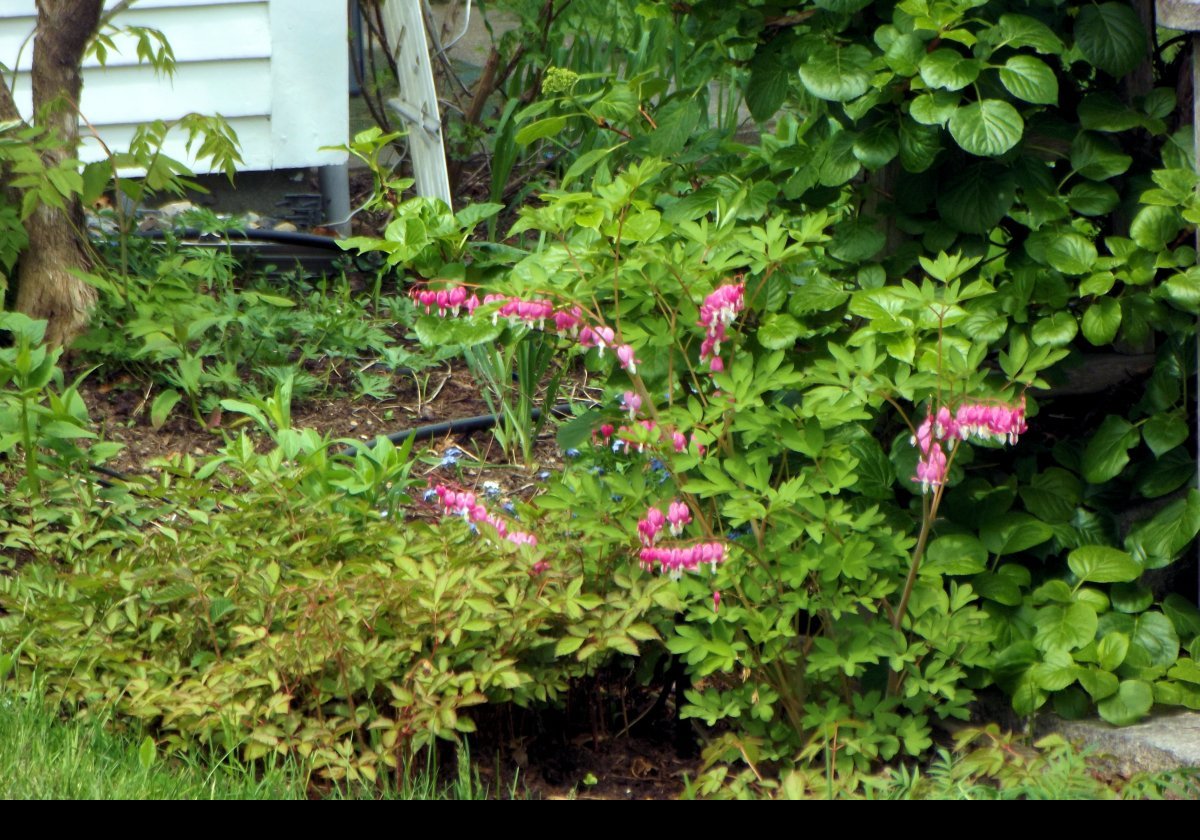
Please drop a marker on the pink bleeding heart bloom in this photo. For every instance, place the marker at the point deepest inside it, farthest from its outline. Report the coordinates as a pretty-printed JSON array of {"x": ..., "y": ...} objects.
[
  {"x": 982, "y": 421},
  {"x": 679, "y": 441},
  {"x": 719, "y": 310},
  {"x": 679, "y": 516},
  {"x": 632, "y": 403},
  {"x": 676, "y": 560},
  {"x": 626, "y": 358},
  {"x": 650, "y": 526},
  {"x": 716, "y": 600}
]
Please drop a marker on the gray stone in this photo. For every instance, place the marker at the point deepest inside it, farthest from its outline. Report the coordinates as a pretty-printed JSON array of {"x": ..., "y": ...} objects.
[
  {"x": 1178, "y": 14},
  {"x": 1163, "y": 742}
]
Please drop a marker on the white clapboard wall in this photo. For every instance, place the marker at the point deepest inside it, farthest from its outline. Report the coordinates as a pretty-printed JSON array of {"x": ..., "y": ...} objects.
[{"x": 277, "y": 70}]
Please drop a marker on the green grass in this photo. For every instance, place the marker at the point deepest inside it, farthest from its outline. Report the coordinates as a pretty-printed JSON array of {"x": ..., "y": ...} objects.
[{"x": 44, "y": 757}]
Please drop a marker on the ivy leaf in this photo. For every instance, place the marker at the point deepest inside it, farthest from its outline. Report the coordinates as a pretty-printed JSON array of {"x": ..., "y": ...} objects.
[
  {"x": 949, "y": 69},
  {"x": 837, "y": 73},
  {"x": 1071, "y": 253},
  {"x": 1014, "y": 532},
  {"x": 1102, "y": 321},
  {"x": 987, "y": 128},
  {"x": 1103, "y": 564},
  {"x": 1096, "y": 157},
  {"x": 1131, "y": 703},
  {"x": 977, "y": 198},
  {"x": 1107, "y": 452},
  {"x": 1030, "y": 79},
  {"x": 1154, "y": 227},
  {"x": 1111, "y": 37},
  {"x": 1163, "y": 432},
  {"x": 1090, "y": 198}
]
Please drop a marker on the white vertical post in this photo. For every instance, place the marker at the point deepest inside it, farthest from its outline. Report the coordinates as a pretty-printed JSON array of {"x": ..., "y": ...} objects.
[{"x": 417, "y": 104}]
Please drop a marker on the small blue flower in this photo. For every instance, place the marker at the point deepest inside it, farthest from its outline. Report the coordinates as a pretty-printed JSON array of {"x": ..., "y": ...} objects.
[
  {"x": 491, "y": 489},
  {"x": 572, "y": 453},
  {"x": 544, "y": 475},
  {"x": 509, "y": 507},
  {"x": 450, "y": 456},
  {"x": 430, "y": 495},
  {"x": 616, "y": 498},
  {"x": 597, "y": 470},
  {"x": 657, "y": 465}
]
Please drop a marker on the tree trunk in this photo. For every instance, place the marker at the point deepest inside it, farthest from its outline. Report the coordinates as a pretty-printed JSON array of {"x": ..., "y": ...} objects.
[{"x": 47, "y": 289}]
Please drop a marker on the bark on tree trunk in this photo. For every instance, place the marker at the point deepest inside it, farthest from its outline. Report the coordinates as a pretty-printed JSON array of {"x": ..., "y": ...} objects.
[{"x": 46, "y": 287}]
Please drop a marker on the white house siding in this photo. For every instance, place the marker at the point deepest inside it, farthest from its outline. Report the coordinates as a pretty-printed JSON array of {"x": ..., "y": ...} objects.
[{"x": 277, "y": 70}]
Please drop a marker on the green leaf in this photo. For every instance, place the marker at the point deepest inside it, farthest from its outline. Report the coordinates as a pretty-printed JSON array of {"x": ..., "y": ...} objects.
[
  {"x": 1153, "y": 642},
  {"x": 767, "y": 87},
  {"x": 919, "y": 145},
  {"x": 1056, "y": 331},
  {"x": 541, "y": 129},
  {"x": 1093, "y": 199},
  {"x": 1030, "y": 79},
  {"x": 436, "y": 332},
  {"x": 1155, "y": 543},
  {"x": 949, "y": 69},
  {"x": 1111, "y": 37},
  {"x": 837, "y": 73},
  {"x": 987, "y": 128},
  {"x": 1059, "y": 627},
  {"x": 955, "y": 554},
  {"x": 1099, "y": 684},
  {"x": 934, "y": 108},
  {"x": 1014, "y": 532},
  {"x": 876, "y": 146},
  {"x": 1103, "y": 564},
  {"x": 779, "y": 331},
  {"x": 677, "y": 122},
  {"x": 1112, "y": 650},
  {"x": 856, "y": 241},
  {"x": 1163, "y": 432},
  {"x": 1104, "y": 111},
  {"x": 1052, "y": 495},
  {"x": 998, "y": 588},
  {"x": 977, "y": 198},
  {"x": 146, "y": 753},
  {"x": 162, "y": 406},
  {"x": 1183, "y": 290},
  {"x": 1107, "y": 453},
  {"x": 1131, "y": 597},
  {"x": 567, "y": 645},
  {"x": 1102, "y": 321},
  {"x": 1154, "y": 227},
  {"x": 1056, "y": 671},
  {"x": 1071, "y": 253},
  {"x": 1023, "y": 31},
  {"x": 1096, "y": 157},
  {"x": 1131, "y": 703},
  {"x": 1187, "y": 670}
]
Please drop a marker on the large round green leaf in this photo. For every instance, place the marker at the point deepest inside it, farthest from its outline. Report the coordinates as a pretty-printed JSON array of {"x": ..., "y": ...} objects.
[
  {"x": 1071, "y": 253},
  {"x": 949, "y": 69},
  {"x": 1055, "y": 331},
  {"x": 837, "y": 73},
  {"x": 1153, "y": 642},
  {"x": 934, "y": 108},
  {"x": 778, "y": 331},
  {"x": 987, "y": 128},
  {"x": 1052, "y": 495},
  {"x": 1030, "y": 79},
  {"x": 1111, "y": 37},
  {"x": 919, "y": 145},
  {"x": 1090, "y": 198},
  {"x": 1103, "y": 564},
  {"x": 1102, "y": 321},
  {"x": 1056, "y": 671},
  {"x": 876, "y": 146},
  {"x": 1156, "y": 542},
  {"x": 1107, "y": 452},
  {"x": 1058, "y": 627},
  {"x": 1131, "y": 703},
  {"x": 1096, "y": 157},
  {"x": 1163, "y": 432},
  {"x": 1112, "y": 650},
  {"x": 1154, "y": 227}
]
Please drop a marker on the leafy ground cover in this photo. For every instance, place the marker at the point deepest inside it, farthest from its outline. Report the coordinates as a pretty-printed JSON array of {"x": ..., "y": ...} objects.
[{"x": 792, "y": 453}]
